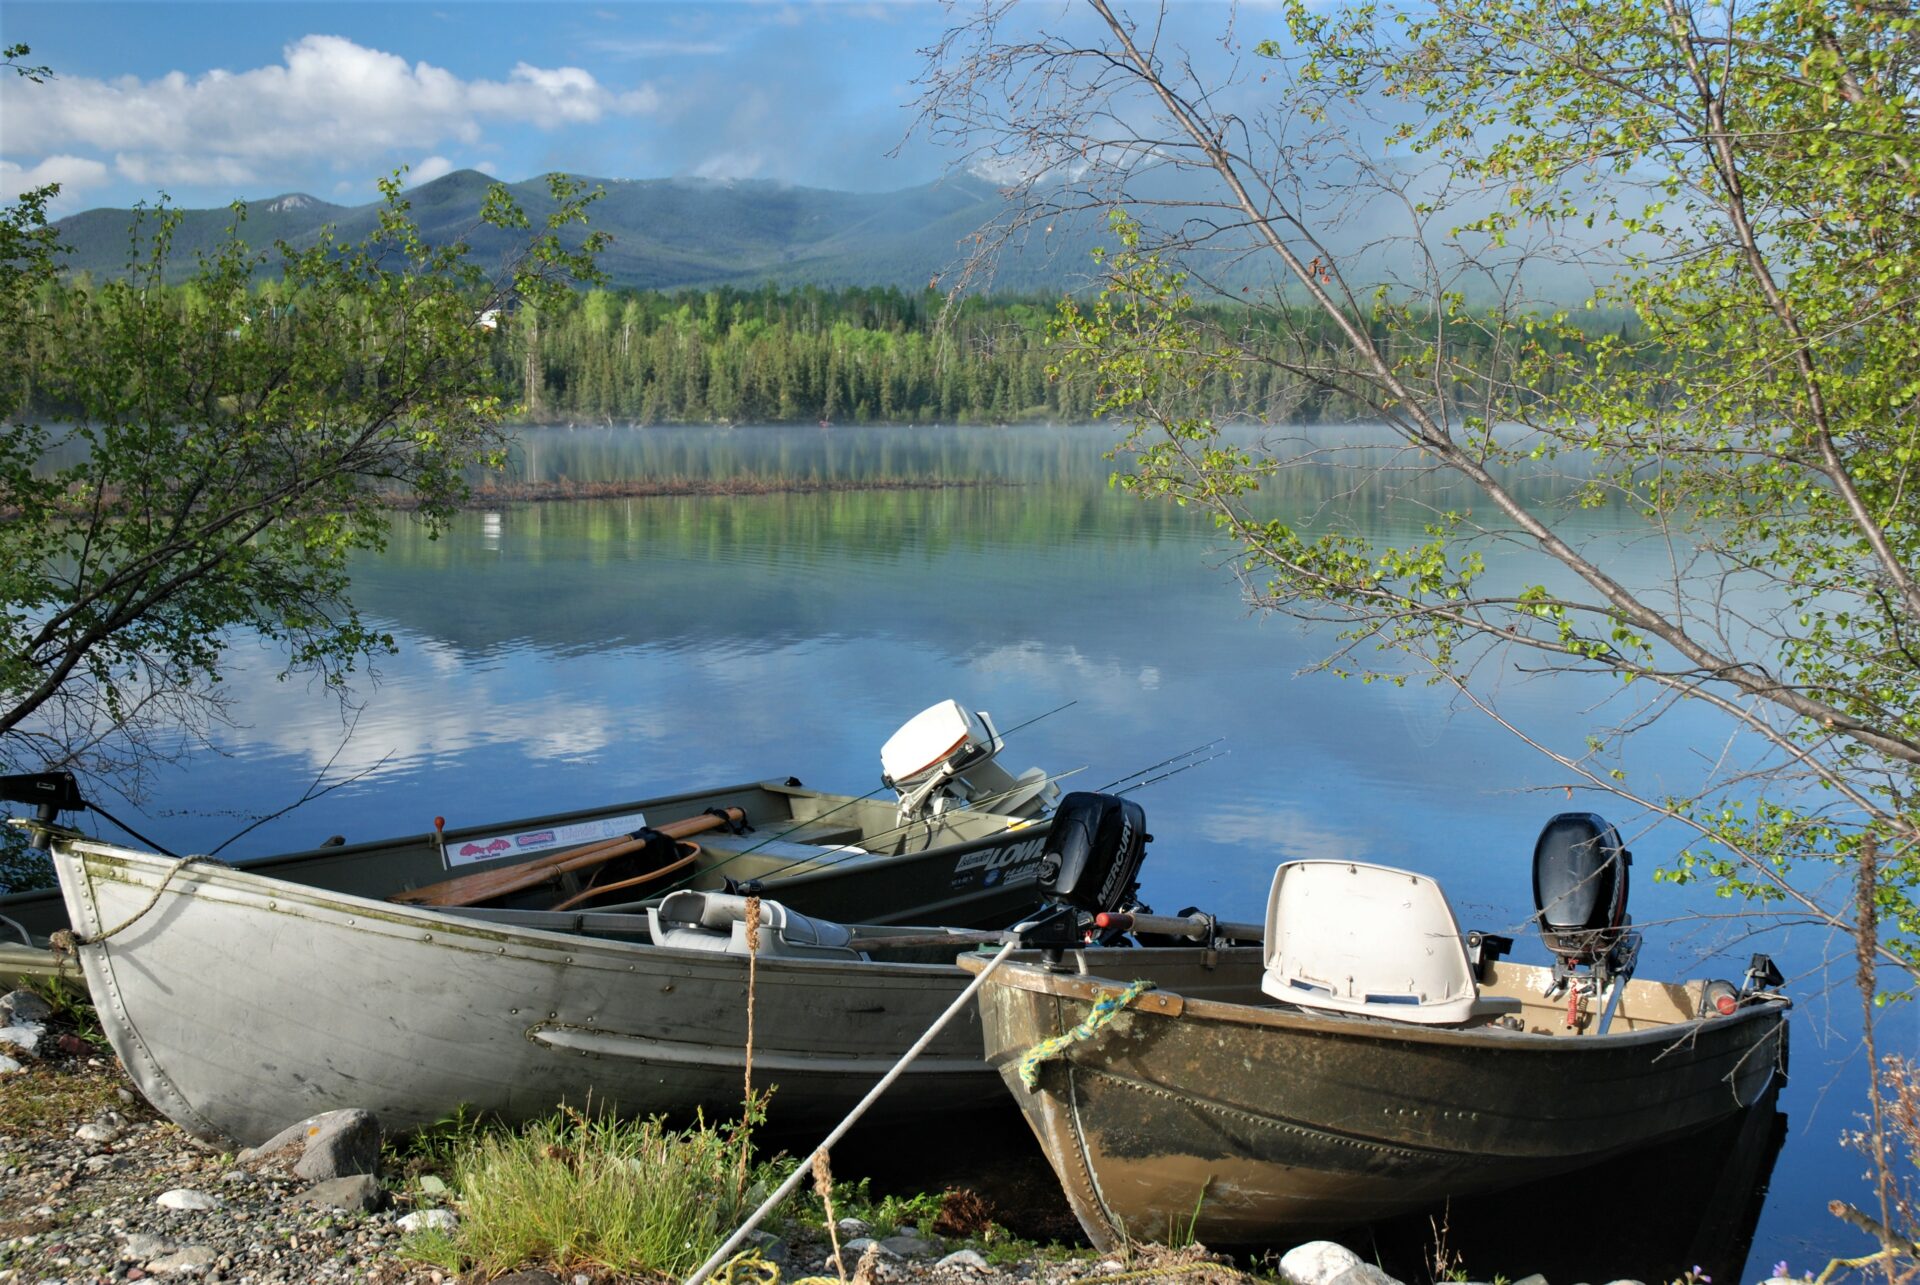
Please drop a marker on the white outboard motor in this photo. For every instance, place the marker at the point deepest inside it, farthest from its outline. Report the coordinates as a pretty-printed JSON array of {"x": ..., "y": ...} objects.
[{"x": 943, "y": 757}]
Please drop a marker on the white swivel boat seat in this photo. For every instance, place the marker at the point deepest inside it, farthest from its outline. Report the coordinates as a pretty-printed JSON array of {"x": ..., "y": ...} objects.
[
  {"x": 717, "y": 921},
  {"x": 1357, "y": 938}
]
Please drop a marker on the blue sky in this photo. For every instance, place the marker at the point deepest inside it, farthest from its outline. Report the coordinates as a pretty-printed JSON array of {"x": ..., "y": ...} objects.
[{"x": 209, "y": 102}]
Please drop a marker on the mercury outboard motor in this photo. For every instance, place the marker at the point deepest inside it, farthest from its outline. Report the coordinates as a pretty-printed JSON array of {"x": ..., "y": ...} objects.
[
  {"x": 1580, "y": 886},
  {"x": 1093, "y": 852},
  {"x": 1089, "y": 866},
  {"x": 1580, "y": 900}
]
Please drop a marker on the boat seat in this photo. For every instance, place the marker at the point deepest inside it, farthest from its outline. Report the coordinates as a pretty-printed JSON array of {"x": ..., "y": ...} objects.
[
  {"x": 717, "y": 922},
  {"x": 1350, "y": 937}
]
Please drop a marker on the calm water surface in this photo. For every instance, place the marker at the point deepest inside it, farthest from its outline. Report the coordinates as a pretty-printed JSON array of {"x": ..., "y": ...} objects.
[{"x": 563, "y": 654}]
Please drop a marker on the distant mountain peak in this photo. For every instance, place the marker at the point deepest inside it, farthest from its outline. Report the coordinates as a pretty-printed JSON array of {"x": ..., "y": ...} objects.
[{"x": 290, "y": 202}]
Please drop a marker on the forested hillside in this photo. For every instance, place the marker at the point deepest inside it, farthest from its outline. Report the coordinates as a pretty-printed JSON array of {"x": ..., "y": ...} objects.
[{"x": 808, "y": 354}]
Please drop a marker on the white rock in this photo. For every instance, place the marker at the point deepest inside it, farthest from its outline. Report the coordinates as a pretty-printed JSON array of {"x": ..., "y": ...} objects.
[
  {"x": 96, "y": 1131},
  {"x": 851, "y": 1227},
  {"x": 24, "y": 1038},
  {"x": 8, "y": 1065},
  {"x": 429, "y": 1220},
  {"x": 141, "y": 1246},
  {"x": 1321, "y": 1262},
  {"x": 197, "y": 1202},
  {"x": 962, "y": 1259},
  {"x": 194, "y": 1260}
]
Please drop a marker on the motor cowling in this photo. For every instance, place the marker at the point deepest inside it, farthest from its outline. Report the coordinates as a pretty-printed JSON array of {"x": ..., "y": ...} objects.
[
  {"x": 1580, "y": 886},
  {"x": 1093, "y": 853}
]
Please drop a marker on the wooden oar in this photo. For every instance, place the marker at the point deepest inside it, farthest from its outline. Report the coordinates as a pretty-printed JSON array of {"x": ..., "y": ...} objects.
[
  {"x": 689, "y": 853},
  {"x": 485, "y": 885}
]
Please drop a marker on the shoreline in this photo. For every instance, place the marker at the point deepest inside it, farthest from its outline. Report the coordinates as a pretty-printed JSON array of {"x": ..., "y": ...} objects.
[{"x": 83, "y": 1171}]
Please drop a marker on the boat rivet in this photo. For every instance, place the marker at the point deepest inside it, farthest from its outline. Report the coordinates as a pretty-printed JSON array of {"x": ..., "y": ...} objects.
[
  {"x": 553, "y": 1017},
  {"x": 513, "y": 1012}
]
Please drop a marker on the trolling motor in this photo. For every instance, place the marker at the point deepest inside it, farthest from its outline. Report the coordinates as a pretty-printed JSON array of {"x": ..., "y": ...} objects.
[
  {"x": 943, "y": 758},
  {"x": 49, "y": 794},
  {"x": 1580, "y": 901},
  {"x": 1089, "y": 867}
]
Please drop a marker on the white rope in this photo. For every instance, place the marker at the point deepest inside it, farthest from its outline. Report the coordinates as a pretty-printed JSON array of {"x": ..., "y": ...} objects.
[{"x": 805, "y": 1167}]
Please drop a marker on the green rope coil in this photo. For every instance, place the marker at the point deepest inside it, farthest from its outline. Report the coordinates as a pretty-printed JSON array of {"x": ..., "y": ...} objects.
[{"x": 1053, "y": 1046}]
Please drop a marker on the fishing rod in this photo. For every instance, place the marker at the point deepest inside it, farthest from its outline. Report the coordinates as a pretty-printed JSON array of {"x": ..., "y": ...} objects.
[
  {"x": 877, "y": 837},
  {"x": 798, "y": 826},
  {"x": 1162, "y": 763},
  {"x": 985, "y": 803},
  {"x": 1176, "y": 772}
]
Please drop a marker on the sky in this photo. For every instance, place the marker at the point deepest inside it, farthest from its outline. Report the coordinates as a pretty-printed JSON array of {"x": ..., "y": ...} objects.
[{"x": 212, "y": 102}]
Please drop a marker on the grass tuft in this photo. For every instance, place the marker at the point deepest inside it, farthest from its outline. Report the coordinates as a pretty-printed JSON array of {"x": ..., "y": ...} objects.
[{"x": 579, "y": 1191}]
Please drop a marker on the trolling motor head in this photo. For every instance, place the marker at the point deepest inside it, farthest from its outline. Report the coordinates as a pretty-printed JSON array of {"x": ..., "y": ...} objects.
[
  {"x": 1580, "y": 896},
  {"x": 1090, "y": 865},
  {"x": 49, "y": 793}
]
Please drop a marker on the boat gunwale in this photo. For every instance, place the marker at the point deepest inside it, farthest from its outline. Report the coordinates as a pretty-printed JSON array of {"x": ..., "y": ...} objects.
[
  {"x": 1025, "y": 975},
  {"x": 99, "y": 860}
]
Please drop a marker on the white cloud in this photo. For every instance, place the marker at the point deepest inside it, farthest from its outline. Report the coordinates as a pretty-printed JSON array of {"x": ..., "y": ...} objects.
[
  {"x": 329, "y": 98},
  {"x": 73, "y": 173},
  {"x": 730, "y": 165},
  {"x": 426, "y": 171}
]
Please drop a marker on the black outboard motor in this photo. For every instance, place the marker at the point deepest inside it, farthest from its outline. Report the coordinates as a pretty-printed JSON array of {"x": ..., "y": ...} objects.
[
  {"x": 1580, "y": 886},
  {"x": 1089, "y": 865},
  {"x": 1093, "y": 852},
  {"x": 1580, "y": 900}
]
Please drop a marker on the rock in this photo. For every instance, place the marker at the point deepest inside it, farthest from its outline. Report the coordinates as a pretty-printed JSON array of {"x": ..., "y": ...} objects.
[
  {"x": 909, "y": 1246},
  {"x": 194, "y": 1260},
  {"x": 197, "y": 1202},
  {"x": 358, "y": 1192},
  {"x": 852, "y": 1227},
  {"x": 859, "y": 1245},
  {"x": 140, "y": 1247},
  {"x": 1321, "y": 1262},
  {"x": 432, "y": 1186},
  {"x": 771, "y": 1247},
  {"x": 8, "y": 1065},
  {"x": 429, "y": 1220},
  {"x": 533, "y": 1277},
  {"x": 333, "y": 1144},
  {"x": 23, "y": 1040},
  {"x": 965, "y": 1260},
  {"x": 1535, "y": 1279},
  {"x": 109, "y": 1126},
  {"x": 872, "y": 1266},
  {"x": 23, "y": 1008}
]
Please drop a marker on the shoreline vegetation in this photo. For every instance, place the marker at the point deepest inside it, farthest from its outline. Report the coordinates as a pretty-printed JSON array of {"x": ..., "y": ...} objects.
[
  {"x": 493, "y": 491},
  {"x": 520, "y": 491},
  {"x": 807, "y": 355}
]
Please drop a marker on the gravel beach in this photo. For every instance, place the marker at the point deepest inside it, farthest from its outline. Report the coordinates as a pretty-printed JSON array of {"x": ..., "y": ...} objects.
[{"x": 96, "y": 1187}]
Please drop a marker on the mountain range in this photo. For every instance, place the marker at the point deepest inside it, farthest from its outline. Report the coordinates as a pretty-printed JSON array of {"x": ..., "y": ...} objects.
[{"x": 667, "y": 233}]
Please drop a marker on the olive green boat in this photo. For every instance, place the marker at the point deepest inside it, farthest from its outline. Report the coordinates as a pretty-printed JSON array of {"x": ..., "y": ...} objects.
[{"x": 1368, "y": 1060}]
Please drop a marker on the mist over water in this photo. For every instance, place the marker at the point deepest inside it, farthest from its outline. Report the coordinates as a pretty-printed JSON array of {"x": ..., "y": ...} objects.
[{"x": 563, "y": 654}]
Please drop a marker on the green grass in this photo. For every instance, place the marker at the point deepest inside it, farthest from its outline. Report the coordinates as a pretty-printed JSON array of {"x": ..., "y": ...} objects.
[{"x": 579, "y": 1191}]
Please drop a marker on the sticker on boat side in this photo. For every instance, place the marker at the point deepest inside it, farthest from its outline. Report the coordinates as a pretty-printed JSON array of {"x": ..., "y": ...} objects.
[
  {"x": 526, "y": 842},
  {"x": 1014, "y": 864}
]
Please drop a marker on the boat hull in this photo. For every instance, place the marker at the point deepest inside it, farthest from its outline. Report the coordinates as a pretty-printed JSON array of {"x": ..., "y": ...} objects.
[
  {"x": 241, "y": 1003},
  {"x": 1241, "y": 1124}
]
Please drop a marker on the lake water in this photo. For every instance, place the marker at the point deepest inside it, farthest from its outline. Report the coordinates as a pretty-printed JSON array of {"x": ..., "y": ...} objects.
[{"x": 561, "y": 654}]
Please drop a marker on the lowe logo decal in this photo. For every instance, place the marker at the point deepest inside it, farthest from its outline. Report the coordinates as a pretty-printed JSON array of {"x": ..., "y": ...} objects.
[{"x": 1003, "y": 859}]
